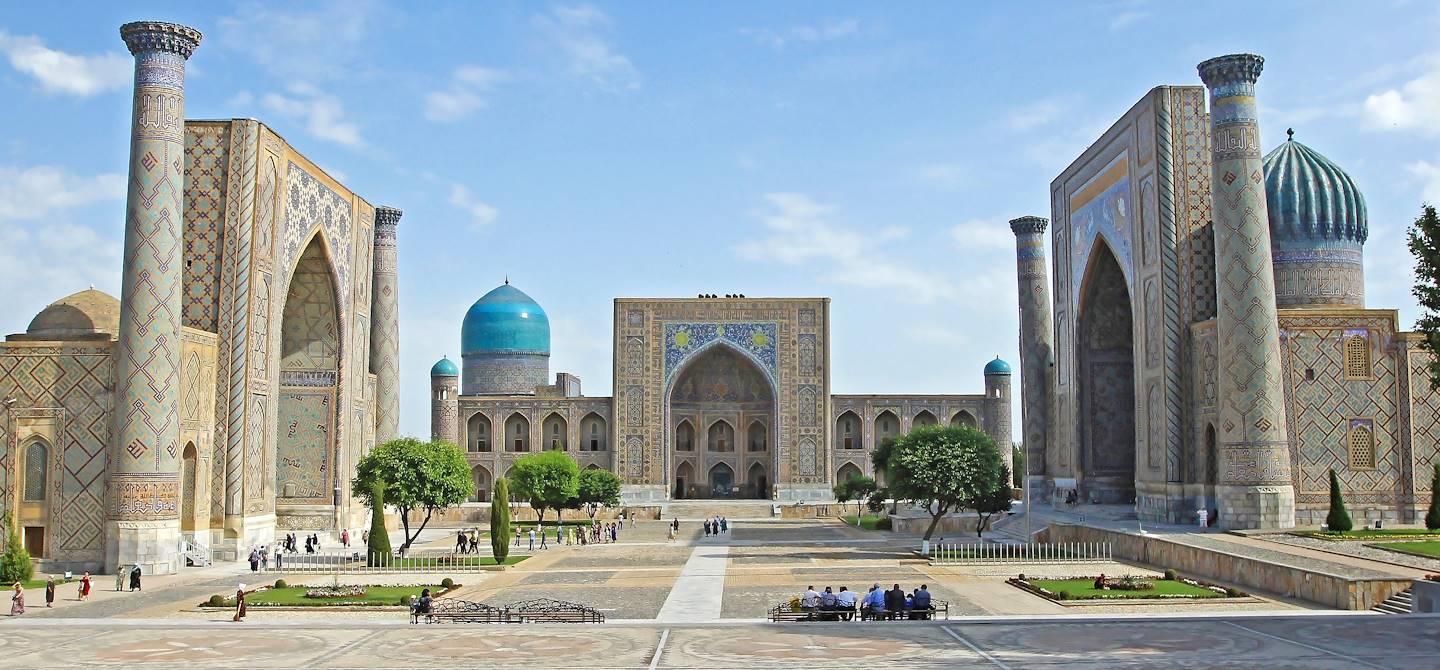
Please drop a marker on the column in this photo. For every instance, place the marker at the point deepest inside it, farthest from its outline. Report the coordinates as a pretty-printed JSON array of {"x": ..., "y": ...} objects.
[
  {"x": 143, "y": 526},
  {"x": 385, "y": 327},
  {"x": 1255, "y": 488},
  {"x": 1037, "y": 346}
]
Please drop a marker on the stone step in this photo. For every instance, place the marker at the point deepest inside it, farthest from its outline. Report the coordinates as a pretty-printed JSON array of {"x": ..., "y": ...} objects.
[
  {"x": 704, "y": 509},
  {"x": 1396, "y": 604}
]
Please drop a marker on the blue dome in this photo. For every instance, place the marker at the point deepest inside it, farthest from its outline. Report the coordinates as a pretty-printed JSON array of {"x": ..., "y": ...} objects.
[
  {"x": 445, "y": 368},
  {"x": 1311, "y": 200},
  {"x": 997, "y": 367},
  {"x": 505, "y": 321}
]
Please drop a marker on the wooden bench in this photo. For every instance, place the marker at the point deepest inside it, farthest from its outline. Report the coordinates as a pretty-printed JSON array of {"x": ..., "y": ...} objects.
[
  {"x": 938, "y": 609},
  {"x": 543, "y": 610},
  {"x": 463, "y": 611},
  {"x": 783, "y": 612}
]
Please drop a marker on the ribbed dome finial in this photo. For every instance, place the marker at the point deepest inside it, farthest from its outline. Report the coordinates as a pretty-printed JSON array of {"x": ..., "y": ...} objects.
[{"x": 1289, "y": 134}]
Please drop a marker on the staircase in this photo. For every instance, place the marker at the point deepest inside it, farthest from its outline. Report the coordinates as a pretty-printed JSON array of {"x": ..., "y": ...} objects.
[
  {"x": 730, "y": 509},
  {"x": 194, "y": 554},
  {"x": 1396, "y": 604}
]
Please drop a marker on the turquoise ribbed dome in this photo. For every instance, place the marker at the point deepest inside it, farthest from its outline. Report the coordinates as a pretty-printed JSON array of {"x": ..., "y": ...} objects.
[
  {"x": 1310, "y": 199},
  {"x": 997, "y": 367},
  {"x": 505, "y": 321},
  {"x": 445, "y": 368}
]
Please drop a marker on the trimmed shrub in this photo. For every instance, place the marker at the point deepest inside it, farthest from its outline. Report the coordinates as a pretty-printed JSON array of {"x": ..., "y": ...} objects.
[
  {"x": 1338, "y": 520},
  {"x": 15, "y": 563},
  {"x": 500, "y": 520},
  {"x": 447, "y": 583},
  {"x": 405, "y": 600},
  {"x": 1432, "y": 517},
  {"x": 378, "y": 553},
  {"x": 1063, "y": 595},
  {"x": 1233, "y": 593},
  {"x": 884, "y": 524},
  {"x": 1170, "y": 574},
  {"x": 216, "y": 600},
  {"x": 280, "y": 583}
]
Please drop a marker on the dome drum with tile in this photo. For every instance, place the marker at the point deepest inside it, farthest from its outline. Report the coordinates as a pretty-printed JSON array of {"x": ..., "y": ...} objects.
[{"x": 505, "y": 344}]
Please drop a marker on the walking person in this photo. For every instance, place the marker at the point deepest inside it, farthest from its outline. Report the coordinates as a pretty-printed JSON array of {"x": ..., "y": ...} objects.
[
  {"x": 460, "y": 542},
  {"x": 532, "y": 539},
  {"x": 120, "y": 573},
  {"x": 264, "y": 559},
  {"x": 50, "y": 591},
  {"x": 17, "y": 600},
  {"x": 254, "y": 560},
  {"x": 85, "y": 586},
  {"x": 707, "y": 528},
  {"x": 345, "y": 538},
  {"x": 135, "y": 578},
  {"x": 239, "y": 604},
  {"x": 517, "y": 536},
  {"x": 475, "y": 541},
  {"x": 542, "y": 538}
]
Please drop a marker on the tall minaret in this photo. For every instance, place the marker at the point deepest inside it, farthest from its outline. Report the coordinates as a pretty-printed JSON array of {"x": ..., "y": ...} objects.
[
  {"x": 1254, "y": 487},
  {"x": 385, "y": 327},
  {"x": 143, "y": 524},
  {"x": 1037, "y": 344},
  {"x": 445, "y": 401}
]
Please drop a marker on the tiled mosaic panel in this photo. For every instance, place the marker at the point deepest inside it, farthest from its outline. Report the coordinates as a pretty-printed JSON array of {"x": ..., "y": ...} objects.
[
  {"x": 1321, "y": 410},
  {"x": 204, "y": 192},
  {"x": 78, "y": 380},
  {"x": 302, "y": 468},
  {"x": 1424, "y": 420},
  {"x": 311, "y": 329}
]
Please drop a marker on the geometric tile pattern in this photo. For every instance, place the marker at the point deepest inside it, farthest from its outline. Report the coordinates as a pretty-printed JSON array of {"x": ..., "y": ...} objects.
[
  {"x": 233, "y": 313},
  {"x": 205, "y": 182},
  {"x": 307, "y": 420},
  {"x": 385, "y": 328}
]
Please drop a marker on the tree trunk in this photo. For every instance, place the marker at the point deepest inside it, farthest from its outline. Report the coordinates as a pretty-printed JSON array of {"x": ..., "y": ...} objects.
[
  {"x": 405, "y": 523},
  {"x": 935, "y": 521},
  {"x": 980, "y": 527},
  {"x": 428, "y": 512}
]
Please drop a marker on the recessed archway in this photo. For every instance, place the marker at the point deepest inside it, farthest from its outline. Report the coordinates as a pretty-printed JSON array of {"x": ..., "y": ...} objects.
[
  {"x": 963, "y": 418},
  {"x": 555, "y": 430},
  {"x": 1106, "y": 381},
  {"x": 722, "y": 481},
  {"x": 517, "y": 433},
  {"x": 592, "y": 433},
  {"x": 723, "y": 406},
  {"x": 924, "y": 418},
  {"x": 310, "y": 355},
  {"x": 189, "y": 485},
  {"x": 477, "y": 433},
  {"x": 847, "y": 431},
  {"x": 481, "y": 478},
  {"x": 887, "y": 427},
  {"x": 757, "y": 481},
  {"x": 847, "y": 472},
  {"x": 684, "y": 480}
]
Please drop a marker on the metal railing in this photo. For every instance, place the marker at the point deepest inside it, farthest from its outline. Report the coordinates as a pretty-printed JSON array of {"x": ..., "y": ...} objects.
[
  {"x": 1033, "y": 552},
  {"x": 330, "y": 562}
]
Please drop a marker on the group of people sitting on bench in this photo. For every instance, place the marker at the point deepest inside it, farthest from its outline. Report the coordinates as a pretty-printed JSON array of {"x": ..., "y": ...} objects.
[{"x": 876, "y": 605}]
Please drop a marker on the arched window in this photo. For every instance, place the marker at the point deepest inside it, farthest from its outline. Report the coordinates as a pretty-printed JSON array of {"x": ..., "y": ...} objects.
[
  {"x": 1361, "y": 441},
  {"x": 685, "y": 436},
  {"x": 887, "y": 426},
  {"x": 477, "y": 431},
  {"x": 481, "y": 478},
  {"x": 847, "y": 431},
  {"x": 37, "y": 466},
  {"x": 963, "y": 418},
  {"x": 517, "y": 433},
  {"x": 722, "y": 437},
  {"x": 555, "y": 430},
  {"x": 924, "y": 418},
  {"x": 756, "y": 438},
  {"x": 592, "y": 433},
  {"x": 1357, "y": 356}
]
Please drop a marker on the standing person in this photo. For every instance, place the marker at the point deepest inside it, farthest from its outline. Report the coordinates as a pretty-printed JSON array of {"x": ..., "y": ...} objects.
[
  {"x": 365, "y": 537},
  {"x": 475, "y": 541},
  {"x": 254, "y": 560},
  {"x": 542, "y": 538},
  {"x": 532, "y": 539},
  {"x": 460, "y": 542},
  {"x": 631, "y": 519},
  {"x": 345, "y": 537},
  {"x": 17, "y": 600},
  {"x": 120, "y": 573},
  {"x": 135, "y": 578},
  {"x": 279, "y": 560},
  {"x": 239, "y": 604},
  {"x": 517, "y": 536},
  {"x": 85, "y": 587},
  {"x": 707, "y": 528},
  {"x": 50, "y": 591},
  {"x": 264, "y": 558},
  {"x": 724, "y": 524}
]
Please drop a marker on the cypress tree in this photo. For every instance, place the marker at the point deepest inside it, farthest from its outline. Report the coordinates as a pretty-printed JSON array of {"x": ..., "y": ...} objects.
[
  {"x": 379, "y": 550},
  {"x": 500, "y": 520},
  {"x": 1338, "y": 519},
  {"x": 1432, "y": 517}
]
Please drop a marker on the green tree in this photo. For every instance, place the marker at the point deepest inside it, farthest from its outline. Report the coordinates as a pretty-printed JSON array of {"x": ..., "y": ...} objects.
[
  {"x": 596, "y": 487},
  {"x": 1432, "y": 517},
  {"x": 500, "y": 520},
  {"x": 857, "y": 488},
  {"x": 1338, "y": 519},
  {"x": 418, "y": 476},
  {"x": 548, "y": 480},
  {"x": 995, "y": 501},
  {"x": 1017, "y": 456},
  {"x": 15, "y": 563},
  {"x": 944, "y": 469},
  {"x": 1425, "y": 247},
  {"x": 377, "y": 549}
]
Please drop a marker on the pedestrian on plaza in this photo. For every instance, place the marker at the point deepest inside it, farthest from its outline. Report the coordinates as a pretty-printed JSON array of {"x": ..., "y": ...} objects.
[
  {"x": 345, "y": 537},
  {"x": 675, "y": 523},
  {"x": 532, "y": 539},
  {"x": 254, "y": 560},
  {"x": 631, "y": 519},
  {"x": 135, "y": 578},
  {"x": 460, "y": 542},
  {"x": 542, "y": 538},
  {"x": 475, "y": 541},
  {"x": 279, "y": 560},
  {"x": 517, "y": 536},
  {"x": 239, "y": 604},
  {"x": 724, "y": 524},
  {"x": 50, "y": 591},
  {"x": 17, "y": 600},
  {"x": 85, "y": 586},
  {"x": 264, "y": 558},
  {"x": 707, "y": 528},
  {"x": 120, "y": 573},
  {"x": 365, "y": 537}
]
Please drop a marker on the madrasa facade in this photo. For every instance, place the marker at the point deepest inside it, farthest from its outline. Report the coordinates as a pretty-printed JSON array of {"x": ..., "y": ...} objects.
[
  {"x": 713, "y": 398},
  {"x": 1204, "y": 342},
  {"x": 250, "y": 360}
]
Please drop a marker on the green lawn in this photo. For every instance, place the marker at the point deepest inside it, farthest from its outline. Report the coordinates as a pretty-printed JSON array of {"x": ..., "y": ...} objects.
[
  {"x": 867, "y": 521},
  {"x": 39, "y": 583},
  {"x": 294, "y": 596},
  {"x": 1084, "y": 589},
  {"x": 450, "y": 559},
  {"x": 1428, "y": 548},
  {"x": 1370, "y": 534}
]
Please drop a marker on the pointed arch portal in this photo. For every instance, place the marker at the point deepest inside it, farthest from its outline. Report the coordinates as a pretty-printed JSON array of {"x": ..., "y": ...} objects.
[{"x": 1106, "y": 375}]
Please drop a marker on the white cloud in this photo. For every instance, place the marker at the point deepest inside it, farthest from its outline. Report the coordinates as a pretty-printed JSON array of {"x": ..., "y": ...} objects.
[
  {"x": 983, "y": 235},
  {"x": 1414, "y": 105},
  {"x": 948, "y": 176},
  {"x": 576, "y": 31},
  {"x": 482, "y": 214},
  {"x": 1429, "y": 174},
  {"x": 60, "y": 72},
  {"x": 43, "y": 190},
  {"x": 800, "y": 233},
  {"x": 464, "y": 95},
  {"x": 320, "y": 41},
  {"x": 322, "y": 113},
  {"x": 827, "y": 31}
]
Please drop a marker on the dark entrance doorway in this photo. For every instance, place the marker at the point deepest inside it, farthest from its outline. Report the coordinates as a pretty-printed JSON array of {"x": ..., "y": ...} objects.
[{"x": 1106, "y": 375}]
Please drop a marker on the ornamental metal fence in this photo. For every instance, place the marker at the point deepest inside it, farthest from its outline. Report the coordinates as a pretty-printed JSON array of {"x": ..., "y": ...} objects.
[
  {"x": 1033, "y": 552},
  {"x": 354, "y": 562}
]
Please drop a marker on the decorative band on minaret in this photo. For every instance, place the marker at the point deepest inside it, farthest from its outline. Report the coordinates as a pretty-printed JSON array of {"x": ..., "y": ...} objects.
[
  {"x": 1037, "y": 344},
  {"x": 1255, "y": 489},
  {"x": 144, "y": 459},
  {"x": 385, "y": 326}
]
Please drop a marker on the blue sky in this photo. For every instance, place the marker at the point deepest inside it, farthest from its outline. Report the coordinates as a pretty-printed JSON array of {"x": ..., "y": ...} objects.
[{"x": 849, "y": 150}]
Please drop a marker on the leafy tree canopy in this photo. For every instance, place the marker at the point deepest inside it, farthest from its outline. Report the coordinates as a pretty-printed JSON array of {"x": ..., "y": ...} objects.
[
  {"x": 549, "y": 480},
  {"x": 417, "y": 476},
  {"x": 1425, "y": 247},
  {"x": 944, "y": 469},
  {"x": 597, "y": 487}
]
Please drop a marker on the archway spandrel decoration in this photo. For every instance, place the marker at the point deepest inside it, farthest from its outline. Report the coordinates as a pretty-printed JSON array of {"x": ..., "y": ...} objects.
[{"x": 757, "y": 341}]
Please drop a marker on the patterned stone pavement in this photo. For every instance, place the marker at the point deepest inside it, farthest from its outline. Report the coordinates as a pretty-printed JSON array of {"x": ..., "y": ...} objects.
[{"x": 1189, "y": 643}]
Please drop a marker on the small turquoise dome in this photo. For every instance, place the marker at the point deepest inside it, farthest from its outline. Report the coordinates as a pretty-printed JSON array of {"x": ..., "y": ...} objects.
[
  {"x": 445, "y": 368},
  {"x": 997, "y": 367},
  {"x": 505, "y": 321},
  {"x": 1310, "y": 199}
]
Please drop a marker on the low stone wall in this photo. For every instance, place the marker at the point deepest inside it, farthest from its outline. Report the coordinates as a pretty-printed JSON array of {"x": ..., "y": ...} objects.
[
  {"x": 479, "y": 514},
  {"x": 950, "y": 525},
  {"x": 1331, "y": 590},
  {"x": 1426, "y": 597}
]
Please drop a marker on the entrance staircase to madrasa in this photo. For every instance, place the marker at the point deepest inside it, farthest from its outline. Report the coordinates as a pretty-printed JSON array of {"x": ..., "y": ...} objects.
[{"x": 696, "y": 510}]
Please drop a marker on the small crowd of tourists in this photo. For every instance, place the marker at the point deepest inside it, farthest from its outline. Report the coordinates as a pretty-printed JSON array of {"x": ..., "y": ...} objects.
[
  {"x": 597, "y": 532},
  {"x": 123, "y": 577},
  {"x": 877, "y": 604}
]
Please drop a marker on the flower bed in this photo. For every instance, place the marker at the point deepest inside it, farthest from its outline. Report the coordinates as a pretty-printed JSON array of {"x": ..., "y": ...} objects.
[
  {"x": 336, "y": 592},
  {"x": 331, "y": 596},
  {"x": 1123, "y": 588}
]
